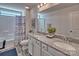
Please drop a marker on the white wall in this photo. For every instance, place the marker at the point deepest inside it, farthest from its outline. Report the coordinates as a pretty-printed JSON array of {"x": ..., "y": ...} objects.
[
  {"x": 30, "y": 15},
  {"x": 27, "y": 20},
  {"x": 33, "y": 16},
  {"x": 61, "y": 19}
]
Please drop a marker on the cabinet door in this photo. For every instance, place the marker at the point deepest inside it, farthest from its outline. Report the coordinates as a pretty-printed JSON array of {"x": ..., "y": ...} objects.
[
  {"x": 37, "y": 48},
  {"x": 45, "y": 53},
  {"x": 74, "y": 24},
  {"x": 30, "y": 45}
]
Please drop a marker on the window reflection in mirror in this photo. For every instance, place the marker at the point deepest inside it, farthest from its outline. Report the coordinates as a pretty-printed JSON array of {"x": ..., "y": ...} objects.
[{"x": 41, "y": 23}]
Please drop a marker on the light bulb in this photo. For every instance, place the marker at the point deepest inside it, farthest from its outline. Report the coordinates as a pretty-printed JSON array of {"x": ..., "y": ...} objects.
[
  {"x": 38, "y": 6},
  {"x": 27, "y": 7},
  {"x": 41, "y": 4},
  {"x": 45, "y": 3}
]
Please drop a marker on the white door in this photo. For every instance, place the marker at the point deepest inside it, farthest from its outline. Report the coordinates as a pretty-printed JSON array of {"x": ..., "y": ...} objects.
[{"x": 74, "y": 24}]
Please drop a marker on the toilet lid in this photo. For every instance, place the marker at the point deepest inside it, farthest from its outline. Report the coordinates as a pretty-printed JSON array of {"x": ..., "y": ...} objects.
[{"x": 24, "y": 42}]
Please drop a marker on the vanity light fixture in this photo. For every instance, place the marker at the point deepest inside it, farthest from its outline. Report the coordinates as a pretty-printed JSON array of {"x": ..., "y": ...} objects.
[
  {"x": 27, "y": 7},
  {"x": 41, "y": 4},
  {"x": 45, "y": 3},
  {"x": 38, "y": 6}
]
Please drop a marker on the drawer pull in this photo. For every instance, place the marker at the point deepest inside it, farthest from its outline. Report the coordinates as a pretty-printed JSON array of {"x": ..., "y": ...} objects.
[
  {"x": 38, "y": 43},
  {"x": 43, "y": 46}
]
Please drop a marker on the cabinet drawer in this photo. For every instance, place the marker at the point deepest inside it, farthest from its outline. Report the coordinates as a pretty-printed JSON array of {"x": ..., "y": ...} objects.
[
  {"x": 44, "y": 46},
  {"x": 55, "y": 52},
  {"x": 29, "y": 37},
  {"x": 45, "y": 53}
]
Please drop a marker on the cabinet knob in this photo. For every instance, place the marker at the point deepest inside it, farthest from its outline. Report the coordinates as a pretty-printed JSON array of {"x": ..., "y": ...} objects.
[
  {"x": 43, "y": 46},
  {"x": 38, "y": 43},
  {"x": 70, "y": 31}
]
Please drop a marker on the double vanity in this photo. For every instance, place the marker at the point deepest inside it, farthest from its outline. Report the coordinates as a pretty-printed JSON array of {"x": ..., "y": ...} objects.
[{"x": 40, "y": 45}]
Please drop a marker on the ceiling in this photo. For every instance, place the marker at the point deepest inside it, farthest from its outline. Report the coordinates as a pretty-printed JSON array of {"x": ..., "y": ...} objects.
[
  {"x": 58, "y": 7},
  {"x": 18, "y": 6}
]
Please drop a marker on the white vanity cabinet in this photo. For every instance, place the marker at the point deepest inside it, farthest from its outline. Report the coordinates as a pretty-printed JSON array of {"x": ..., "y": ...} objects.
[{"x": 39, "y": 48}]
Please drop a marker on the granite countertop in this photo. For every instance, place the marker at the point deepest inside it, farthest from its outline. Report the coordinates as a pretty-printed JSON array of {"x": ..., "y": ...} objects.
[{"x": 51, "y": 41}]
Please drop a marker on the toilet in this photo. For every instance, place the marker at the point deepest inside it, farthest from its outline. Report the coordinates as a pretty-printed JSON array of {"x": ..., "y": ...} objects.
[{"x": 24, "y": 44}]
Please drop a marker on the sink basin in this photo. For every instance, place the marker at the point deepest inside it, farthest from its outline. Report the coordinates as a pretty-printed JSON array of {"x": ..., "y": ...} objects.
[{"x": 65, "y": 46}]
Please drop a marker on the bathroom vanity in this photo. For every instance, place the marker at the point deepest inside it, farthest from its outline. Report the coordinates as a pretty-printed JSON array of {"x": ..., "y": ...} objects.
[{"x": 40, "y": 45}]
